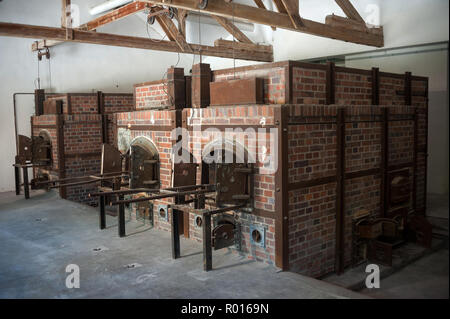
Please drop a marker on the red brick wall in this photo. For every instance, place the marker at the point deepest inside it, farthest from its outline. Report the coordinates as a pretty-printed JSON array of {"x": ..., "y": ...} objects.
[
  {"x": 312, "y": 230},
  {"x": 83, "y": 103},
  {"x": 151, "y": 95},
  {"x": 388, "y": 90},
  {"x": 312, "y": 155},
  {"x": 353, "y": 89},
  {"x": 116, "y": 102},
  {"x": 309, "y": 86}
]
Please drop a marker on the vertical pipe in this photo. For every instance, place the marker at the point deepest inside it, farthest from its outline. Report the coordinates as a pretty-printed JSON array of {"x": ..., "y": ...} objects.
[{"x": 207, "y": 243}]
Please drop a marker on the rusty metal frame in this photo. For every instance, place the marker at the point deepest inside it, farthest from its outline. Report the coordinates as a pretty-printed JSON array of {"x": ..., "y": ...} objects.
[
  {"x": 384, "y": 162},
  {"x": 340, "y": 192},
  {"x": 206, "y": 230},
  {"x": 281, "y": 117},
  {"x": 60, "y": 151},
  {"x": 331, "y": 83},
  {"x": 375, "y": 86}
]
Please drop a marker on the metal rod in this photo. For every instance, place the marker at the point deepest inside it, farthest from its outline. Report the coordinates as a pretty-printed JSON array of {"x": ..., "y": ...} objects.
[
  {"x": 98, "y": 177},
  {"x": 149, "y": 190},
  {"x": 95, "y": 180},
  {"x": 160, "y": 196},
  {"x": 223, "y": 209}
]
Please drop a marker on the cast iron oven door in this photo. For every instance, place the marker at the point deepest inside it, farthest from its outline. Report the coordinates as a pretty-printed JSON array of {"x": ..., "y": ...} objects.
[
  {"x": 184, "y": 174},
  {"x": 144, "y": 168},
  {"x": 233, "y": 183},
  {"x": 36, "y": 150},
  {"x": 223, "y": 234},
  {"x": 24, "y": 149},
  {"x": 42, "y": 150},
  {"x": 111, "y": 160},
  {"x": 400, "y": 191}
]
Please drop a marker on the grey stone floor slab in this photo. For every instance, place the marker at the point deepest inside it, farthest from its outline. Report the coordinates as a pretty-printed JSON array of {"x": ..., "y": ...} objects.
[{"x": 39, "y": 237}]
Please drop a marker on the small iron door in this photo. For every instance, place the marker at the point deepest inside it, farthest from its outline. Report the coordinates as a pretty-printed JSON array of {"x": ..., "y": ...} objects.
[{"x": 144, "y": 166}]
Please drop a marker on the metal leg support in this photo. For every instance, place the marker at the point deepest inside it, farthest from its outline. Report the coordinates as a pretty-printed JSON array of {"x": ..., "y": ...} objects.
[
  {"x": 207, "y": 244},
  {"x": 175, "y": 234},
  {"x": 102, "y": 214},
  {"x": 121, "y": 216},
  {"x": 26, "y": 186},
  {"x": 17, "y": 178}
]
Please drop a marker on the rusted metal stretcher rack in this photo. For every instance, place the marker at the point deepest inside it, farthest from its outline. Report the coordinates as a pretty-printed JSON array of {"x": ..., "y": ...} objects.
[
  {"x": 226, "y": 198},
  {"x": 119, "y": 194}
]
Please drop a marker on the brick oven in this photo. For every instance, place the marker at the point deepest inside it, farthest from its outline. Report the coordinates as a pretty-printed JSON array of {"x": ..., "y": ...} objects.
[
  {"x": 316, "y": 144},
  {"x": 75, "y": 125}
]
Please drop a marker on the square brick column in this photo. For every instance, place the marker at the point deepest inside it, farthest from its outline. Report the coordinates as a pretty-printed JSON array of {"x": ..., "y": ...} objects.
[
  {"x": 176, "y": 87},
  {"x": 201, "y": 77}
]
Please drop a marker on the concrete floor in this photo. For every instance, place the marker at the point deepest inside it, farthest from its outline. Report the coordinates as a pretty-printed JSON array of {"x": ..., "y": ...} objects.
[
  {"x": 426, "y": 278},
  {"x": 41, "y": 236}
]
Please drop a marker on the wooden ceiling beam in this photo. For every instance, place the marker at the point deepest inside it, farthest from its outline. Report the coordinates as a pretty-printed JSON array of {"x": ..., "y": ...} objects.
[
  {"x": 66, "y": 19},
  {"x": 232, "y": 29},
  {"x": 172, "y": 31},
  {"x": 233, "y": 45},
  {"x": 107, "y": 18},
  {"x": 271, "y": 18},
  {"x": 181, "y": 18},
  {"x": 350, "y": 10},
  {"x": 59, "y": 34},
  {"x": 341, "y": 22},
  {"x": 261, "y": 5},
  {"x": 280, "y": 6},
  {"x": 115, "y": 15},
  {"x": 292, "y": 10}
]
